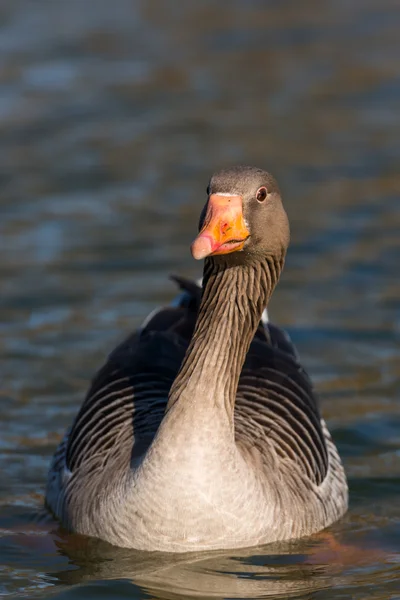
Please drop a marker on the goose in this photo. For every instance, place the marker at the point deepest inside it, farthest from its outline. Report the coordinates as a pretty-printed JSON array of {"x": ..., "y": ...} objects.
[{"x": 202, "y": 430}]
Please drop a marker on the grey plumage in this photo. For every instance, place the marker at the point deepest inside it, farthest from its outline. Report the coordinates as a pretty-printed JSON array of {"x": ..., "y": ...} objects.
[{"x": 142, "y": 467}]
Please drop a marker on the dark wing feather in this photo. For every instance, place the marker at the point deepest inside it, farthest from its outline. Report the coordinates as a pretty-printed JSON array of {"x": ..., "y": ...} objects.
[
  {"x": 128, "y": 396},
  {"x": 276, "y": 394}
]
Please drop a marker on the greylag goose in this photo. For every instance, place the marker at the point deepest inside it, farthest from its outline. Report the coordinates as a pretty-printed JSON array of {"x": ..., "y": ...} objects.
[{"x": 202, "y": 430}]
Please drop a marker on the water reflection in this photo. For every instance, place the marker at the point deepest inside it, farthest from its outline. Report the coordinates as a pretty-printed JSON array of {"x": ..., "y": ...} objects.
[{"x": 280, "y": 571}]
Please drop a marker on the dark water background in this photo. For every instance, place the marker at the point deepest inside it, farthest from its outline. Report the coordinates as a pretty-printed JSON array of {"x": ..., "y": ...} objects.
[{"x": 112, "y": 117}]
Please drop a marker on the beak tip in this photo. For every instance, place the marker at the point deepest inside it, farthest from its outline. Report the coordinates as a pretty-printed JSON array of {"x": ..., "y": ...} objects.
[{"x": 201, "y": 247}]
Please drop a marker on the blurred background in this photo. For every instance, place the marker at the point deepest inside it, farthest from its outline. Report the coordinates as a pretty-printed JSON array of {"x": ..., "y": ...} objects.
[{"x": 113, "y": 115}]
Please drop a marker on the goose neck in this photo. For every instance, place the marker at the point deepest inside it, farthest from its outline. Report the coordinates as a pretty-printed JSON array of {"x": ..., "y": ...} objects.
[{"x": 234, "y": 297}]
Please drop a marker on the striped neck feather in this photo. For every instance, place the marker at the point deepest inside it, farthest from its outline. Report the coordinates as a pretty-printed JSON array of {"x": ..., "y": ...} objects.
[{"x": 234, "y": 297}]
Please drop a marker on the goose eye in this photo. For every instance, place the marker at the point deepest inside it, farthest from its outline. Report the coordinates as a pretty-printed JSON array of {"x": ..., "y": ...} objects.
[{"x": 262, "y": 193}]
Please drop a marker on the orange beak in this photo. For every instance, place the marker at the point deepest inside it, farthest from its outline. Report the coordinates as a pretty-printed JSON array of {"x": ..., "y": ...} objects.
[{"x": 224, "y": 230}]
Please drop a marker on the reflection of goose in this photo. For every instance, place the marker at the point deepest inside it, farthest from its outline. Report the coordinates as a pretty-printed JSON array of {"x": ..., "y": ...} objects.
[
  {"x": 283, "y": 572},
  {"x": 202, "y": 430}
]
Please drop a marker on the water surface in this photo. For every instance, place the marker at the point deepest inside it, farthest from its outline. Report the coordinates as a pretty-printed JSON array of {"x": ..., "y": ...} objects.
[{"x": 112, "y": 117}]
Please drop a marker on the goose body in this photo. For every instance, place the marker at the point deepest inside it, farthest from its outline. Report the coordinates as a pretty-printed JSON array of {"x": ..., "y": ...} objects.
[{"x": 202, "y": 430}]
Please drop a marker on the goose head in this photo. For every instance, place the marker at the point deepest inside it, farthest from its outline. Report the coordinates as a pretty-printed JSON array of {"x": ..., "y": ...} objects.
[{"x": 243, "y": 219}]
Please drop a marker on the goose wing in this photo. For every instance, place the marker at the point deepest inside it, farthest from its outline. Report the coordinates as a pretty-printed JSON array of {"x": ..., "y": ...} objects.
[
  {"x": 127, "y": 398},
  {"x": 276, "y": 405},
  {"x": 130, "y": 391}
]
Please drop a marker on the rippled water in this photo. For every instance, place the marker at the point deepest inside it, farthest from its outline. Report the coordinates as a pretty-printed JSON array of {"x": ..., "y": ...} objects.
[{"x": 112, "y": 116}]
